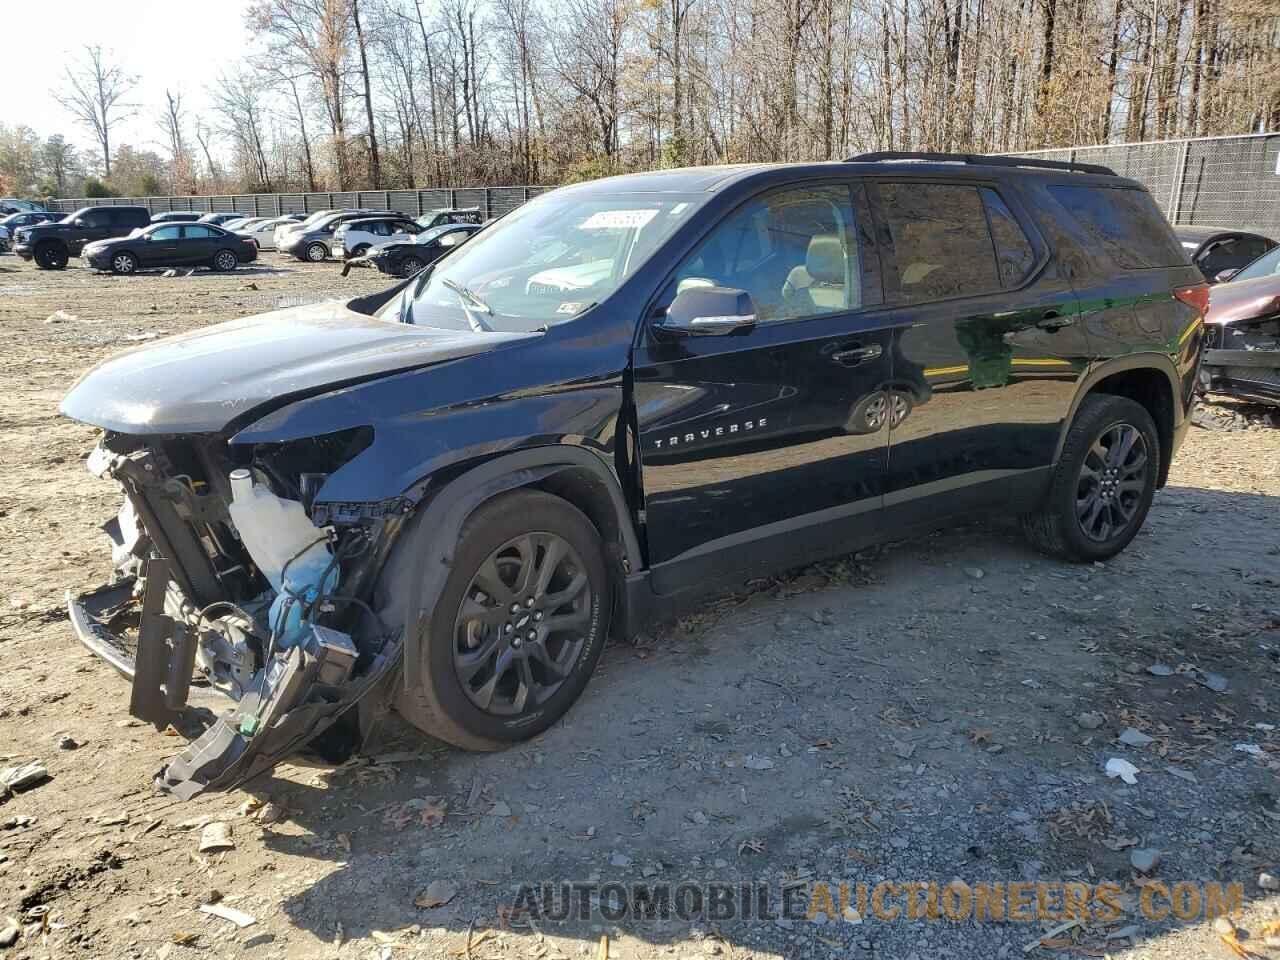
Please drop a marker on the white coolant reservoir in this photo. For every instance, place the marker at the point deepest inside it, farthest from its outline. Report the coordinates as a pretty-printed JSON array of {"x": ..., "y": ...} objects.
[{"x": 278, "y": 533}]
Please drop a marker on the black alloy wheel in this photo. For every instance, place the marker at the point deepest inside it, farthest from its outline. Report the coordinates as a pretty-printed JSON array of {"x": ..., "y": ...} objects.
[
  {"x": 522, "y": 623},
  {"x": 225, "y": 260},
  {"x": 1112, "y": 480}
]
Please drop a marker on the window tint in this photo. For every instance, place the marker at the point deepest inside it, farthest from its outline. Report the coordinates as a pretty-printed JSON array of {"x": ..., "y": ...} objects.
[
  {"x": 1231, "y": 253},
  {"x": 166, "y": 233},
  {"x": 1013, "y": 250},
  {"x": 940, "y": 240},
  {"x": 795, "y": 251},
  {"x": 198, "y": 232},
  {"x": 96, "y": 218},
  {"x": 1124, "y": 222},
  {"x": 453, "y": 238}
]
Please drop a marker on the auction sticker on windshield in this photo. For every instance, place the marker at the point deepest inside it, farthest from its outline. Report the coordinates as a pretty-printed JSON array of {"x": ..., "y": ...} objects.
[{"x": 618, "y": 220}]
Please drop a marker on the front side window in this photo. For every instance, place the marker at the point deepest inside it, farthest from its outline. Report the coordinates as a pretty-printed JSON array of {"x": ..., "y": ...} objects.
[
  {"x": 545, "y": 263},
  {"x": 940, "y": 241},
  {"x": 166, "y": 233},
  {"x": 794, "y": 250},
  {"x": 453, "y": 238}
]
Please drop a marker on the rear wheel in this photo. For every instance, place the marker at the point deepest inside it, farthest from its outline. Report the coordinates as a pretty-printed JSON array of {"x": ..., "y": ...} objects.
[
  {"x": 51, "y": 256},
  {"x": 517, "y": 629},
  {"x": 1103, "y": 483},
  {"x": 225, "y": 260},
  {"x": 317, "y": 252},
  {"x": 124, "y": 262},
  {"x": 411, "y": 265}
]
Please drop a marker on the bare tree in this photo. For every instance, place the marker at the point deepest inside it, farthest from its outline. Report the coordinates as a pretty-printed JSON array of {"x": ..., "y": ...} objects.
[{"x": 95, "y": 93}]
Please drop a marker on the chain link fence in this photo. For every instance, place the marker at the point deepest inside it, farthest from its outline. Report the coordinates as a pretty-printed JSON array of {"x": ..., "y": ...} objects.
[
  {"x": 1207, "y": 181},
  {"x": 491, "y": 201},
  {"x": 1210, "y": 181}
]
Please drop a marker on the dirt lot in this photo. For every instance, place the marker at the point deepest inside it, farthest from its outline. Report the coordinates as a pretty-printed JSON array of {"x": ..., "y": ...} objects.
[{"x": 939, "y": 709}]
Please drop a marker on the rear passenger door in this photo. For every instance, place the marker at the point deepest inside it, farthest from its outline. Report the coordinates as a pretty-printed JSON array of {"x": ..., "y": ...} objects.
[
  {"x": 987, "y": 349},
  {"x": 757, "y": 448},
  {"x": 198, "y": 243}
]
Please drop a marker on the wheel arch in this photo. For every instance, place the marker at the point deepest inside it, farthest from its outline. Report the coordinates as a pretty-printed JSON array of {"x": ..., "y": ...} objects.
[
  {"x": 574, "y": 474},
  {"x": 1147, "y": 379}
]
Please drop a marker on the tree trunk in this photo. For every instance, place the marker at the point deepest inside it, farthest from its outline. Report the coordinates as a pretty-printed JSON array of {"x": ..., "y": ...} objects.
[{"x": 375, "y": 165}]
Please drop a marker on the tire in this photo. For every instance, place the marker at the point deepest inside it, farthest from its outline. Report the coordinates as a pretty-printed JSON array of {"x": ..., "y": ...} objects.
[
  {"x": 410, "y": 265},
  {"x": 360, "y": 250},
  {"x": 51, "y": 256},
  {"x": 447, "y": 706},
  {"x": 870, "y": 414},
  {"x": 225, "y": 261},
  {"x": 317, "y": 252},
  {"x": 1103, "y": 483},
  {"x": 124, "y": 263}
]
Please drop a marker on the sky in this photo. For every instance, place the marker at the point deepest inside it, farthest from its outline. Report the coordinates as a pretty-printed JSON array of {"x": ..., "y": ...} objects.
[{"x": 181, "y": 44}]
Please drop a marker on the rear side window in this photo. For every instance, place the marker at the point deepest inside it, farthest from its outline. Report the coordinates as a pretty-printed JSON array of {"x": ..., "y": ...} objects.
[
  {"x": 941, "y": 241},
  {"x": 1125, "y": 222},
  {"x": 1014, "y": 252}
]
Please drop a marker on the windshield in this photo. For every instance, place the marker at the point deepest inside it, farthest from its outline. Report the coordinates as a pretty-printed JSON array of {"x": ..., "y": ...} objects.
[
  {"x": 1267, "y": 265},
  {"x": 547, "y": 262}
]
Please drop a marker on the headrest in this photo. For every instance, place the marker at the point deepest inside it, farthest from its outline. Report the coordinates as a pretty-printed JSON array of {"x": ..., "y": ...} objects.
[{"x": 825, "y": 260}]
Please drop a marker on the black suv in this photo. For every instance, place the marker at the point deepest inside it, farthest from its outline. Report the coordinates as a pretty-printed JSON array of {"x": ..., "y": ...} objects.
[
  {"x": 446, "y": 495},
  {"x": 51, "y": 244}
]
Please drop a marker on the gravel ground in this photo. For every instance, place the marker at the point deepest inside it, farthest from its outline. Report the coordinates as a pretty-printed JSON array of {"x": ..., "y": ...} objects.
[{"x": 939, "y": 709}]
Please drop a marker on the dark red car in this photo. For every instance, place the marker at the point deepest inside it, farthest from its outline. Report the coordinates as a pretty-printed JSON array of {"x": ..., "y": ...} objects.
[{"x": 1242, "y": 355}]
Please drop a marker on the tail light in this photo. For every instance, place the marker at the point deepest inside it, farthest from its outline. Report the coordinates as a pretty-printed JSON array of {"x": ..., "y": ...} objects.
[{"x": 1195, "y": 296}]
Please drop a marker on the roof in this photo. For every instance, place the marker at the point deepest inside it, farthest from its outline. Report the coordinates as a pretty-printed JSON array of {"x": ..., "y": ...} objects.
[{"x": 712, "y": 178}]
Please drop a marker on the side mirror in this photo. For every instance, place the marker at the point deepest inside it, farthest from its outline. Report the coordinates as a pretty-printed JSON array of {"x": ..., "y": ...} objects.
[
  {"x": 78, "y": 222},
  {"x": 709, "y": 312},
  {"x": 1222, "y": 276}
]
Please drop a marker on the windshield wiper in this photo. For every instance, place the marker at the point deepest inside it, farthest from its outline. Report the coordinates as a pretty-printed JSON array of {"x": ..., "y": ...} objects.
[{"x": 470, "y": 302}]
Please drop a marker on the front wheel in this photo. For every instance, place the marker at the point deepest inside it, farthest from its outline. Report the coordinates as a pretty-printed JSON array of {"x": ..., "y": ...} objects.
[
  {"x": 517, "y": 629},
  {"x": 317, "y": 252},
  {"x": 225, "y": 260},
  {"x": 124, "y": 263},
  {"x": 1103, "y": 484},
  {"x": 51, "y": 256}
]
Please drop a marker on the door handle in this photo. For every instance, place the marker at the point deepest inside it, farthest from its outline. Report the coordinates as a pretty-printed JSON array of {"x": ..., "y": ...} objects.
[
  {"x": 853, "y": 356},
  {"x": 1053, "y": 320}
]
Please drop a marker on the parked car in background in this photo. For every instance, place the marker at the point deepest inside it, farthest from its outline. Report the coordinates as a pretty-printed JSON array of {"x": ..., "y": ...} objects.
[
  {"x": 23, "y": 218},
  {"x": 447, "y": 495},
  {"x": 313, "y": 242},
  {"x": 217, "y": 219},
  {"x": 443, "y": 215},
  {"x": 263, "y": 233},
  {"x": 1242, "y": 345},
  {"x": 354, "y": 237},
  {"x": 310, "y": 220},
  {"x": 13, "y": 205},
  {"x": 177, "y": 216},
  {"x": 407, "y": 257},
  {"x": 1220, "y": 252},
  {"x": 172, "y": 245},
  {"x": 51, "y": 244}
]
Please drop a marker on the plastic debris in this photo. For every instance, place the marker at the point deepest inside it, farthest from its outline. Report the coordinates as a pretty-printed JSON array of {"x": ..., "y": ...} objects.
[{"x": 1116, "y": 767}]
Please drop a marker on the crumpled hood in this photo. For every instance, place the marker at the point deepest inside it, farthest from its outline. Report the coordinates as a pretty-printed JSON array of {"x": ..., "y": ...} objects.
[
  {"x": 1243, "y": 300},
  {"x": 200, "y": 382}
]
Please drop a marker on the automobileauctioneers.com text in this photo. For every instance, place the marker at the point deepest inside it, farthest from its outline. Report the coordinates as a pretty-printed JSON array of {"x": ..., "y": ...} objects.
[{"x": 888, "y": 901}]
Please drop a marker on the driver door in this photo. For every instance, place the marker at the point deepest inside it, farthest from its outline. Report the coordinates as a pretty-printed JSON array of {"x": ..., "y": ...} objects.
[{"x": 756, "y": 447}]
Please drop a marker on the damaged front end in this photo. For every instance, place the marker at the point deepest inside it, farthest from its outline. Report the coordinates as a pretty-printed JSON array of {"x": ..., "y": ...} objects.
[
  {"x": 1242, "y": 358},
  {"x": 229, "y": 575}
]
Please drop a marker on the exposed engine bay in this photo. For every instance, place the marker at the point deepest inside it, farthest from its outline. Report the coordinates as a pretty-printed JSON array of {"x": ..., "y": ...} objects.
[
  {"x": 230, "y": 577},
  {"x": 1242, "y": 358}
]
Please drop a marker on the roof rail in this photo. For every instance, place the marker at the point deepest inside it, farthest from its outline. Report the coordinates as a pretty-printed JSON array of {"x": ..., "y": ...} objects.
[{"x": 986, "y": 160}]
